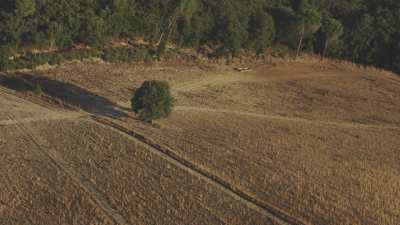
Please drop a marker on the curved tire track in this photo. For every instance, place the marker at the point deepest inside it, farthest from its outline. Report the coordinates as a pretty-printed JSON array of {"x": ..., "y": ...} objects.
[
  {"x": 231, "y": 77},
  {"x": 260, "y": 206},
  {"x": 289, "y": 119},
  {"x": 80, "y": 182},
  {"x": 46, "y": 117}
]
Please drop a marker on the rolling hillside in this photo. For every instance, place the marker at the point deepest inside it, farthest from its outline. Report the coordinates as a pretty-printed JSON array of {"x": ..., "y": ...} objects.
[{"x": 304, "y": 142}]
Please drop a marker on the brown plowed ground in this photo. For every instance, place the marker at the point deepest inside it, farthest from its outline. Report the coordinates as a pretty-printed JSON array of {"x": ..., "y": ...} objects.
[{"x": 307, "y": 141}]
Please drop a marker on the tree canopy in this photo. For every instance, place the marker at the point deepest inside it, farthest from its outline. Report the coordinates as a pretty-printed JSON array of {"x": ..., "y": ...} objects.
[
  {"x": 152, "y": 100},
  {"x": 363, "y": 31}
]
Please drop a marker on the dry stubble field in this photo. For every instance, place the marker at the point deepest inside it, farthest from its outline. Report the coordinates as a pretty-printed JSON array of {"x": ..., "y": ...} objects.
[{"x": 309, "y": 142}]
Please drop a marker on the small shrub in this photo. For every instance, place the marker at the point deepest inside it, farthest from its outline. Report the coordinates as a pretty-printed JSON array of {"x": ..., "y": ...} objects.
[
  {"x": 4, "y": 55},
  {"x": 127, "y": 55},
  {"x": 80, "y": 55},
  {"x": 108, "y": 55},
  {"x": 20, "y": 63},
  {"x": 11, "y": 65},
  {"x": 55, "y": 59},
  {"x": 38, "y": 89},
  {"x": 152, "y": 101}
]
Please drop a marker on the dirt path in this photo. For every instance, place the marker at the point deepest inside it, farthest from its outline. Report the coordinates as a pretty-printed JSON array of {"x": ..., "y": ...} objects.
[
  {"x": 25, "y": 111},
  {"x": 168, "y": 154},
  {"x": 45, "y": 117},
  {"x": 286, "y": 119},
  {"x": 268, "y": 74},
  {"x": 272, "y": 74},
  {"x": 80, "y": 181},
  {"x": 208, "y": 81},
  {"x": 101, "y": 202},
  {"x": 281, "y": 118},
  {"x": 164, "y": 152}
]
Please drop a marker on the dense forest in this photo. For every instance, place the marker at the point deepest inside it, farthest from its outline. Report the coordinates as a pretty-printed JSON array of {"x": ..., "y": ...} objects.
[{"x": 362, "y": 31}]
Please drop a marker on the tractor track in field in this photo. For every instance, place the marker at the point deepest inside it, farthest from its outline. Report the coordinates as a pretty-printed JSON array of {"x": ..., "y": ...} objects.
[
  {"x": 347, "y": 125},
  {"x": 46, "y": 117},
  {"x": 171, "y": 156},
  {"x": 43, "y": 111},
  {"x": 78, "y": 180},
  {"x": 168, "y": 154},
  {"x": 233, "y": 77},
  {"x": 286, "y": 119}
]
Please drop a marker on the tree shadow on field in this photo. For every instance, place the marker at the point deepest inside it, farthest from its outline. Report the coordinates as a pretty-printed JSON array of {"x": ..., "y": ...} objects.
[{"x": 63, "y": 91}]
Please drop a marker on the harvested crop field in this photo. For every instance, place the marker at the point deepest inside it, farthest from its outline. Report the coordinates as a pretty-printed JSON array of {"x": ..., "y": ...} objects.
[
  {"x": 74, "y": 171},
  {"x": 293, "y": 143},
  {"x": 310, "y": 169}
]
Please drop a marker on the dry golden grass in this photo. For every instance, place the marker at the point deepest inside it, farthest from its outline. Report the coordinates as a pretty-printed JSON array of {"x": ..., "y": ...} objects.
[
  {"x": 118, "y": 81},
  {"x": 138, "y": 186},
  {"x": 68, "y": 170},
  {"x": 319, "y": 140},
  {"x": 315, "y": 140},
  {"x": 143, "y": 187},
  {"x": 34, "y": 192},
  {"x": 304, "y": 91},
  {"x": 324, "y": 174}
]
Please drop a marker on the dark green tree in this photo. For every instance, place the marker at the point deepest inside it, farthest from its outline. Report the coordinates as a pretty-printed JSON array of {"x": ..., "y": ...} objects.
[
  {"x": 25, "y": 8},
  {"x": 331, "y": 29},
  {"x": 308, "y": 21},
  {"x": 261, "y": 31},
  {"x": 4, "y": 57},
  {"x": 181, "y": 9},
  {"x": 152, "y": 101},
  {"x": 371, "y": 28}
]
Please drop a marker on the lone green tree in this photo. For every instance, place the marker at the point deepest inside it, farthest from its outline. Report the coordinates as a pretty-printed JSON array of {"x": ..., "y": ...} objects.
[
  {"x": 332, "y": 29},
  {"x": 152, "y": 101}
]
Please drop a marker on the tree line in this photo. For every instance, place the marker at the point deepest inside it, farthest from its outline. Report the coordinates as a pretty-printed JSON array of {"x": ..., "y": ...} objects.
[{"x": 362, "y": 31}]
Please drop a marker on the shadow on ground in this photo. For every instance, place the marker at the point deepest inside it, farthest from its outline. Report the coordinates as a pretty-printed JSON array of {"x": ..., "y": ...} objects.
[{"x": 63, "y": 91}]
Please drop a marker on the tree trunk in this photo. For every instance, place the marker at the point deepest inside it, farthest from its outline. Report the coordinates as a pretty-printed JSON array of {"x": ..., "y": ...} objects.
[
  {"x": 301, "y": 36},
  {"x": 164, "y": 38},
  {"x": 325, "y": 50}
]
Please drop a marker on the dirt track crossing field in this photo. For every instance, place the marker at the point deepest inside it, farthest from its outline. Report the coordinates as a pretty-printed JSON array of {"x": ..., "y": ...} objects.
[
  {"x": 29, "y": 129},
  {"x": 226, "y": 187},
  {"x": 290, "y": 144},
  {"x": 79, "y": 181},
  {"x": 281, "y": 118}
]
